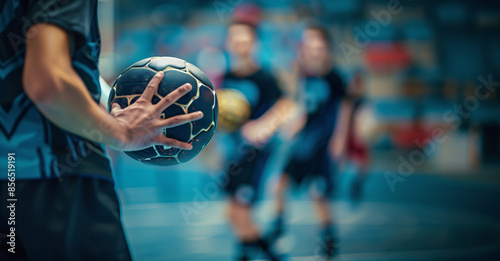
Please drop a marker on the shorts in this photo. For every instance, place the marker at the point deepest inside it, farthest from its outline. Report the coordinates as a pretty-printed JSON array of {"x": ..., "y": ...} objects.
[
  {"x": 75, "y": 218},
  {"x": 243, "y": 175},
  {"x": 356, "y": 150},
  {"x": 317, "y": 169}
]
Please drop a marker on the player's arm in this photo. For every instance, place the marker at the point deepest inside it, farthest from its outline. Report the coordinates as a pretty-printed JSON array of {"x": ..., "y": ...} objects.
[
  {"x": 258, "y": 132},
  {"x": 56, "y": 89},
  {"x": 338, "y": 141},
  {"x": 278, "y": 114},
  {"x": 296, "y": 122}
]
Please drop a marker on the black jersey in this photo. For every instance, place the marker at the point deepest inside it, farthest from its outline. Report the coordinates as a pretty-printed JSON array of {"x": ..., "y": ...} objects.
[
  {"x": 260, "y": 89},
  {"x": 42, "y": 149},
  {"x": 320, "y": 96}
]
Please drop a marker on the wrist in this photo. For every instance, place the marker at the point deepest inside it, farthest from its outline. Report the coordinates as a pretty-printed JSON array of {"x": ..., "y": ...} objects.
[{"x": 120, "y": 135}]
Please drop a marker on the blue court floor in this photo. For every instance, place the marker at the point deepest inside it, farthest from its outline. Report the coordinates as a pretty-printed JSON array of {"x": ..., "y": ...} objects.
[{"x": 428, "y": 217}]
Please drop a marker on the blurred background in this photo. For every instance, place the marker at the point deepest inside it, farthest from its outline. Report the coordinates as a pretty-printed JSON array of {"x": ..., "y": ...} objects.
[{"x": 431, "y": 77}]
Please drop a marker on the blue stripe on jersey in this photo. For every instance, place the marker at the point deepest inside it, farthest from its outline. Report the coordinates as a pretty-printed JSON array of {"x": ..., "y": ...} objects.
[
  {"x": 55, "y": 167},
  {"x": 42, "y": 163},
  {"x": 10, "y": 120},
  {"x": 94, "y": 75},
  {"x": 71, "y": 147},
  {"x": 82, "y": 148},
  {"x": 8, "y": 13},
  {"x": 28, "y": 143}
]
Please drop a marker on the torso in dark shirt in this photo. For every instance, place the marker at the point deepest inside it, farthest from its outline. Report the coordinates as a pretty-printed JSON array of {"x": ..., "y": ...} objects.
[
  {"x": 42, "y": 149},
  {"x": 320, "y": 95},
  {"x": 260, "y": 89}
]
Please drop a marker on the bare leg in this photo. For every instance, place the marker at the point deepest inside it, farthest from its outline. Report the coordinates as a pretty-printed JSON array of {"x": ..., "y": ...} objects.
[
  {"x": 280, "y": 193},
  {"x": 327, "y": 237},
  {"x": 241, "y": 221},
  {"x": 323, "y": 209},
  {"x": 359, "y": 180},
  {"x": 278, "y": 224},
  {"x": 247, "y": 232}
]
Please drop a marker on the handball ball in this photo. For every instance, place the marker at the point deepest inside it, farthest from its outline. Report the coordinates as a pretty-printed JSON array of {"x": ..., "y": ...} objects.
[
  {"x": 234, "y": 109},
  {"x": 131, "y": 84}
]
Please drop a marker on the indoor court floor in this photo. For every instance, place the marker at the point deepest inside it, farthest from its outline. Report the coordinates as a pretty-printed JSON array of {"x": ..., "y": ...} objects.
[{"x": 428, "y": 217}]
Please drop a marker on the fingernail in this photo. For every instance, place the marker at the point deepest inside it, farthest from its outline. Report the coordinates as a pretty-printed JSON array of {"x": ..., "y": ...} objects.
[
  {"x": 200, "y": 114},
  {"x": 159, "y": 73},
  {"x": 190, "y": 147}
]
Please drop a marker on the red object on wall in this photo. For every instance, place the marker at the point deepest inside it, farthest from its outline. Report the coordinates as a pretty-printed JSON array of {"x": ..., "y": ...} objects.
[
  {"x": 387, "y": 56},
  {"x": 412, "y": 136},
  {"x": 248, "y": 13}
]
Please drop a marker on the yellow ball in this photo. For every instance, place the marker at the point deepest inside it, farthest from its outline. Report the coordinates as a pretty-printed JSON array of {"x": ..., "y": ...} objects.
[{"x": 234, "y": 109}]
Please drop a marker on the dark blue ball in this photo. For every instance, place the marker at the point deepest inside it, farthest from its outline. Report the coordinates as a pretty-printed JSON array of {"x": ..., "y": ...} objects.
[{"x": 132, "y": 82}]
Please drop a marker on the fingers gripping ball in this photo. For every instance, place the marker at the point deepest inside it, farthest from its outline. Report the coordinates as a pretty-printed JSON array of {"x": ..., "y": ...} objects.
[
  {"x": 234, "y": 109},
  {"x": 131, "y": 84}
]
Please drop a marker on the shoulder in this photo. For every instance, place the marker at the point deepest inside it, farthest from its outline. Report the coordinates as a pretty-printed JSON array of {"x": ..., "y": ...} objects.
[
  {"x": 333, "y": 77},
  {"x": 265, "y": 76}
]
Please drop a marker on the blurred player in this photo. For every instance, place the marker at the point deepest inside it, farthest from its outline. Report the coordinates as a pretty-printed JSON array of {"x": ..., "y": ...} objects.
[
  {"x": 66, "y": 207},
  {"x": 319, "y": 90},
  {"x": 268, "y": 112},
  {"x": 354, "y": 148}
]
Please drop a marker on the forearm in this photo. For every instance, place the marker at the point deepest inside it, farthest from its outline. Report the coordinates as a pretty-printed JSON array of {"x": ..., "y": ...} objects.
[
  {"x": 278, "y": 114},
  {"x": 52, "y": 84},
  {"x": 50, "y": 81},
  {"x": 69, "y": 105}
]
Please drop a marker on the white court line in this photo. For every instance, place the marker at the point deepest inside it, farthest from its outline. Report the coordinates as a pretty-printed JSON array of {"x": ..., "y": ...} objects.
[{"x": 410, "y": 255}]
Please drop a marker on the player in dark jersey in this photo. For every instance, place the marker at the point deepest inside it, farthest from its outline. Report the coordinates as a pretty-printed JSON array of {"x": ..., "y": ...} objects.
[
  {"x": 320, "y": 91},
  {"x": 355, "y": 149},
  {"x": 66, "y": 206},
  {"x": 268, "y": 112}
]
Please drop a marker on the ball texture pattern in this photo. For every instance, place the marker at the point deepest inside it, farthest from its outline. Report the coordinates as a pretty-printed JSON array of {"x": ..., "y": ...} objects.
[{"x": 129, "y": 86}]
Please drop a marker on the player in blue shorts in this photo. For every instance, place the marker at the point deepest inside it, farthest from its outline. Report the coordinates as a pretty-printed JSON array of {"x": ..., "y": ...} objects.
[
  {"x": 66, "y": 207},
  {"x": 269, "y": 110},
  {"x": 319, "y": 91}
]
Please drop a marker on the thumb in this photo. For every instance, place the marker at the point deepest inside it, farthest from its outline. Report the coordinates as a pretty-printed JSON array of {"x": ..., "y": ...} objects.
[{"x": 115, "y": 107}]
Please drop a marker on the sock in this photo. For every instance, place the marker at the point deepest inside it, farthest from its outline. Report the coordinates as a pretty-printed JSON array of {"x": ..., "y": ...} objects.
[
  {"x": 276, "y": 230},
  {"x": 328, "y": 241},
  {"x": 252, "y": 249},
  {"x": 247, "y": 249},
  {"x": 264, "y": 245},
  {"x": 279, "y": 225}
]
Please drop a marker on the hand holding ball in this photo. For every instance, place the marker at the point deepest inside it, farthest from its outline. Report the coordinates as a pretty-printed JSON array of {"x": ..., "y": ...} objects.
[{"x": 131, "y": 84}]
